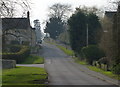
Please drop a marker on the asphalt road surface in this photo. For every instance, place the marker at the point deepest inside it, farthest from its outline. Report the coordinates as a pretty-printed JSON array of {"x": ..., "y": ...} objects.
[{"x": 63, "y": 70}]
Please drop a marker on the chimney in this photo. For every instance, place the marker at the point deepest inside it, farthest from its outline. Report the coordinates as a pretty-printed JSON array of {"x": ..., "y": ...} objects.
[
  {"x": 119, "y": 6},
  {"x": 28, "y": 14}
]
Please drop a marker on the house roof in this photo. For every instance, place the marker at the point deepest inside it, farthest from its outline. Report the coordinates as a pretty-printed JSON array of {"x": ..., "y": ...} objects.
[
  {"x": 110, "y": 14},
  {"x": 15, "y": 23}
]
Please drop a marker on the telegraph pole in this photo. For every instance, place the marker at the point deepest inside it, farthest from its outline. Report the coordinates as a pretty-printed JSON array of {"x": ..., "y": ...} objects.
[{"x": 87, "y": 36}]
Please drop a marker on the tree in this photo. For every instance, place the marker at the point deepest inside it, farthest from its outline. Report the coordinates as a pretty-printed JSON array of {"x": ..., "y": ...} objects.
[
  {"x": 94, "y": 29},
  {"x": 56, "y": 24},
  {"x": 10, "y": 8},
  {"x": 107, "y": 43},
  {"x": 113, "y": 5},
  {"x": 78, "y": 28},
  {"x": 64, "y": 37},
  {"x": 60, "y": 10},
  {"x": 110, "y": 41},
  {"x": 116, "y": 39},
  {"x": 54, "y": 27}
]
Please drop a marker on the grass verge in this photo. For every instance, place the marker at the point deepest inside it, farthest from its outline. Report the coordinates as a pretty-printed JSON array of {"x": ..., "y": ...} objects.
[
  {"x": 33, "y": 60},
  {"x": 80, "y": 62},
  {"x": 96, "y": 69},
  {"x": 24, "y": 76},
  {"x": 107, "y": 73},
  {"x": 66, "y": 51}
]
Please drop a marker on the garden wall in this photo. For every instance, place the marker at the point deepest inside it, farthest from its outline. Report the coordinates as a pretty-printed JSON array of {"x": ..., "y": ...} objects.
[{"x": 7, "y": 64}]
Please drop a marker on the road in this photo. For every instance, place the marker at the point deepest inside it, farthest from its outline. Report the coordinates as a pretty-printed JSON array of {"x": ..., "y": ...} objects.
[{"x": 63, "y": 70}]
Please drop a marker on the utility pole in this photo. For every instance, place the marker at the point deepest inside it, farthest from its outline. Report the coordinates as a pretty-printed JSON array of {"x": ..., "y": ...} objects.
[{"x": 87, "y": 36}]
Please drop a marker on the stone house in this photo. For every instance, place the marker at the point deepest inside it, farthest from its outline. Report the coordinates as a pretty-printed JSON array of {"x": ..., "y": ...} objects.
[
  {"x": 18, "y": 29},
  {"x": 110, "y": 14}
]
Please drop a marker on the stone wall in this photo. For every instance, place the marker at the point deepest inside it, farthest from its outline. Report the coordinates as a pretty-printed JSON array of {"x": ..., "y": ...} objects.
[{"x": 7, "y": 64}]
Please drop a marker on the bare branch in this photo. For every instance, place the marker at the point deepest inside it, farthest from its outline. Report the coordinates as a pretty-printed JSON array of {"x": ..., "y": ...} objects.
[{"x": 59, "y": 10}]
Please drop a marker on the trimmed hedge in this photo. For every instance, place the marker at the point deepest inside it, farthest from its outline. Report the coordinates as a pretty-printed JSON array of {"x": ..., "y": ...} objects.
[
  {"x": 92, "y": 53},
  {"x": 18, "y": 56},
  {"x": 15, "y": 48}
]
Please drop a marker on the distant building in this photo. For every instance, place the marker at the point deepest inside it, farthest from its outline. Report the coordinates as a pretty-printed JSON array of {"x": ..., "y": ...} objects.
[
  {"x": 110, "y": 14},
  {"x": 38, "y": 31}
]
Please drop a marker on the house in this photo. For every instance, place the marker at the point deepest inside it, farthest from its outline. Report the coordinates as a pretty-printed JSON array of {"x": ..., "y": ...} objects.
[
  {"x": 18, "y": 29},
  {"x": 110, "y": 14}
]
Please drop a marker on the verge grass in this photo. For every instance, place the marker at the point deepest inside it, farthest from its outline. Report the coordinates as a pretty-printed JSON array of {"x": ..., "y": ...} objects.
[
  {"x": 66, "y": 51},
  {"x": 80, "y": 62},
  {"x": 24, "y": 76},
  {"x": 96, "y": 69},
  {"x": 33, "y": 60},
  {"x": 107, "y": 73}
]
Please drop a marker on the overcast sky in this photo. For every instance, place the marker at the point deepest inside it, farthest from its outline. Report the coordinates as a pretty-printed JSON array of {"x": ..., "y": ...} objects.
[{"x": 39, "y": 8}]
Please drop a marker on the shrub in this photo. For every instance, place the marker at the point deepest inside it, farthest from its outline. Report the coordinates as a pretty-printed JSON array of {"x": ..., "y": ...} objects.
[
  {"x": 15, "y": 42},
  {"x": 15, "y": 48},
  {"x": 18, "y": 56},
  {"x": 116, "y": 69},
  {"x": 92, "y": 53},
  {"x": 26, "y": 43},
  {"x": 11, "y": 48}
]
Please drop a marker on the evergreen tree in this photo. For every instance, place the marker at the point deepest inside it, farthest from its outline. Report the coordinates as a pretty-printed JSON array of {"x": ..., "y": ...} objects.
[
  {"x": 54, "y": 27},
  {"x": 78, "y": 29},
  {"x": 94, "y": 27},
  {"x": 77, "y": 24}
]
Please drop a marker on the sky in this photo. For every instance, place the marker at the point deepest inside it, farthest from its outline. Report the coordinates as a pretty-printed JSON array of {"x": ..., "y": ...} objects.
[{"x": 39, "y": 8}]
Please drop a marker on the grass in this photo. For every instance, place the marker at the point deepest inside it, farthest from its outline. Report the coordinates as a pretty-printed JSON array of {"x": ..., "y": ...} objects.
[
  {"x": 96, "y": 69},
  {"x": 107, "y": 73},
  {"x": 66, "y": 51},
  {"x": 50, "y": 42},
  {"x": 34, "y": 60},
  {"x": 79, "y": 62},
  {"x": 24, "y": 76}
]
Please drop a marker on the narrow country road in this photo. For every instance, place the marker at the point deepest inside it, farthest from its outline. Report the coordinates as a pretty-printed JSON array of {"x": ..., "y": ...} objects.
[{"x": 63, "y": 71}]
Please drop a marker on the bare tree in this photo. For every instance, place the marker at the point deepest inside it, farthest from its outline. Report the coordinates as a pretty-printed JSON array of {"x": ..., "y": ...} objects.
[
  {"x": 11, "y": 8},
  {"x": 112, "y": 5},
  {"x": 60, "y": 10}
]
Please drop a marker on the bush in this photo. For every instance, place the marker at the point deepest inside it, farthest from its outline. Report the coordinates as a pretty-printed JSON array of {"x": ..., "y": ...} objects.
[
  {"x": 26, "y": 43},
  {"x": 15, "y": 48},
  {"x": 116, "y": 69},
  {"x": 11, "y": 48},
  {"x": 18, "y": 56},
  {"x": 15, "y": 42},
  {"x": 92, "y": 53}
]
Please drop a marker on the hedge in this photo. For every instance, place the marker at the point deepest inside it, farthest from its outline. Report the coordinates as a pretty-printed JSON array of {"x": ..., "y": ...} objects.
[
  {"x": 18, "y": 56},
  {"x": 92, "y": 53},
  {"x": 116, "y": 69},
  {"x": 15, "y": 48}
]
